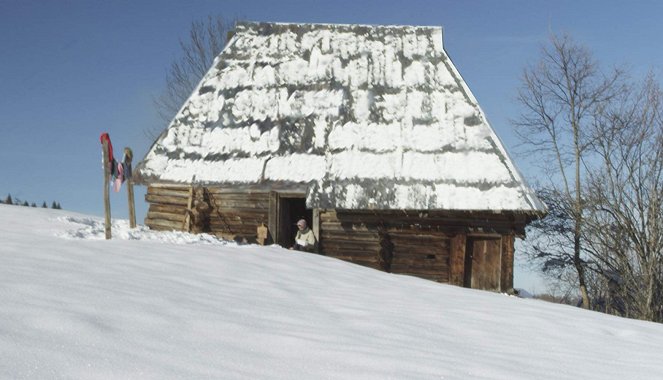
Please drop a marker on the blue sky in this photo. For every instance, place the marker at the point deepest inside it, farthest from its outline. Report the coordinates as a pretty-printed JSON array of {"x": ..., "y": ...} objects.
[{"x": 70, "y": 70}]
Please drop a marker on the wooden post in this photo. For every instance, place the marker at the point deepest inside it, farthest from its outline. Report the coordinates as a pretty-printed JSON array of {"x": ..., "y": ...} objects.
[
  {"x": 315, "y": 226},
  {"x": 128, "y": 156},
  {"x": 107, "y": 209},
  {"x": 186, "y": 225},
  {"x": 506, "y": 278},
  {"x": 457, "y": 259},
  {"x": 273, "y": 218}
]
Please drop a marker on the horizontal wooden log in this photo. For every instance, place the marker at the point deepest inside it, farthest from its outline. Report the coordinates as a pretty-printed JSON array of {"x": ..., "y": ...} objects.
[
  {"x": 233, "y": 192},
  {"x": 338, "y": 226},
  {"x": 166, "y": 216},
  {"x": 357, "y": 259},
  {"x": 248, "y": 212},
  {"x": 413, "y": 245},
  {"x": 326, "y": 235},
  {"x": 159, "y": 199},
  {"x": 235, "y": 225},
  {"x": 423, "y": 273},
  {"x": 167, "y": 224},
  {"x": 172, "y": 209},
  {"x": 241, "y": 205},
  {"x": 361, "y": 249},
  {"x": 419, "y": 236},
  {"x": 252, "y": 229},
  {"x": 397, "y": 266},
  {"x": 351, "y": 252},
  {"x": 421, "y": 250},
  {"x": 406, "y": 258},
  {"x": 158, "y": 227},
  {"x": 169, "y": 186},
  {"x": 166, "y": 192}
]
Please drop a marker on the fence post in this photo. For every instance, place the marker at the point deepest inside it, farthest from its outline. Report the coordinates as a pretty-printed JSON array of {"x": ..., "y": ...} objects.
[
  {"x": 107, "y": 209},
  {"x": 128, "y": 156}
]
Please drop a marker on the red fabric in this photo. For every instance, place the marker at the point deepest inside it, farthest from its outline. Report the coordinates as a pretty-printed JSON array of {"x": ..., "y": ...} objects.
[{"x": 106, "y": 137}]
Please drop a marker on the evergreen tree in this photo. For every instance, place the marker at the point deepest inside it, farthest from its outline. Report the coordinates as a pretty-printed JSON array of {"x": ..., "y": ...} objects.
[
  {"x": 9, "y": 200},
  {"x": 54, "y": 205},
  {"x": 44, "y": 205},
  {"x": 26, "y": 204},
  {"x": 33, "y": 204}
]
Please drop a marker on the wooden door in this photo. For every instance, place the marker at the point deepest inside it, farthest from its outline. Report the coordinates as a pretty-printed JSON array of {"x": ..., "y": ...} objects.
[{"x": 483, "y": 263}]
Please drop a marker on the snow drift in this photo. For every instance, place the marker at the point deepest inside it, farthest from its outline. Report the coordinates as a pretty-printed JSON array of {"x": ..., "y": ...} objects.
[{"x": 154, "y": 305}]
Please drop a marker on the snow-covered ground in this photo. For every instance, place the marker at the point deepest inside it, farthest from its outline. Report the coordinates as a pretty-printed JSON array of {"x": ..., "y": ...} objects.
[{"x": 149, "y": 305}]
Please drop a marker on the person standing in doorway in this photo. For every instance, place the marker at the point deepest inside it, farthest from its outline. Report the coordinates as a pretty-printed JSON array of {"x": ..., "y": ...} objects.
[{"x": 304, "y": 240}]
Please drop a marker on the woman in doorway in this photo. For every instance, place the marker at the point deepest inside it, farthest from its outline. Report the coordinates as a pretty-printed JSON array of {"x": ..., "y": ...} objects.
[{"x": 304, "y": 240}]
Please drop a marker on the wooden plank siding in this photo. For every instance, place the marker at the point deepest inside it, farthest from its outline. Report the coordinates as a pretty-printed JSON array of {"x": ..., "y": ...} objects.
[
  {"x": 349, "y": 241},
  {"x": 425, "y": 244},
  {"x": 168, "y": 207},
  {"x": 237, "y": 215},
  {"x": 508, "y": 242}
]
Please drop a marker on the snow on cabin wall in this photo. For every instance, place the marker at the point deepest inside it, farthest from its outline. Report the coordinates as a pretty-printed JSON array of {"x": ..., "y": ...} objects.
[{"x": 367, "y": 116}]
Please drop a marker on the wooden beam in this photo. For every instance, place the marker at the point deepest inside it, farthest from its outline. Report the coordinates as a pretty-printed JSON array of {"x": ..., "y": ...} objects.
[
  {"x": 186, "y": 225},
  {"x": 107, "y": 209},
  {"x": 457, "y": 259},
  {"x": 273, "y": 216},
  {"x": 128, "y": 157},
  {"x": 506, "y": 280}
]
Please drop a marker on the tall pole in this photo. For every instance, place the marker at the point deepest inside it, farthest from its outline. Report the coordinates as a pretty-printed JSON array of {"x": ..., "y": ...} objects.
[
  {"x": 107, "y": 210},
  {"x": 128, "y": 156}
]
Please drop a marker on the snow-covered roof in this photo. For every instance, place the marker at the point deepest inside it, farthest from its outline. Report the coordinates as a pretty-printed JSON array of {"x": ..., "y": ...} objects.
[{"x": 365, "y": 117}]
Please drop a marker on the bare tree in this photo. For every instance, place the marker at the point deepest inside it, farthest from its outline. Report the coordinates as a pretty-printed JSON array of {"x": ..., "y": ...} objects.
[
  {"x": 560, "y": 96},
  {"x": 206, "y": 40},
  {"x": 625, "y": 223}
]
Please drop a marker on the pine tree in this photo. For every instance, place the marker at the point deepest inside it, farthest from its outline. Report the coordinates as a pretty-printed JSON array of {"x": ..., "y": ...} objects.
[
  {"x": 54, "y": 205},
  {"x": 33, "y": 204},
  {"x": 26, "y": 204},
  {"x": 44, "y": 205},
  {"x": 9, "y": 200}
]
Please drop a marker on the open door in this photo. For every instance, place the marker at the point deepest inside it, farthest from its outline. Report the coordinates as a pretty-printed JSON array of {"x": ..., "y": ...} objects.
[
  {"x": 284, "y": 212},
  {"x": 483, "y": 263}
]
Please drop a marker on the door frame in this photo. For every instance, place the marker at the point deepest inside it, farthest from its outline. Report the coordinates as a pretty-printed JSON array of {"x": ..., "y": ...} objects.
[{"x": 274, "y": 220}]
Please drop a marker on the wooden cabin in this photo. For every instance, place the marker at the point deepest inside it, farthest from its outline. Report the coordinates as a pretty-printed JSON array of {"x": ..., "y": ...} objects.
[{"x": 367, "y": 132}]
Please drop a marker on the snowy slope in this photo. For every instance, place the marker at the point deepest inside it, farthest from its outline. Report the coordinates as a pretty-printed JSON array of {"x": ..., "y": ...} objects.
[{"x": 170, "y": 305}]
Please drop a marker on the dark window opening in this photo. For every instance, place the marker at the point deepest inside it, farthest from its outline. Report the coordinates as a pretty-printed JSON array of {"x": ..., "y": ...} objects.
[{"x": 291, "y": 210}]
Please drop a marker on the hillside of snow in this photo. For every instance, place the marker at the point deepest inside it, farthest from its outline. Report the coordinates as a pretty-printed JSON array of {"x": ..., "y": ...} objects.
[{"x": 150, "y": 305}]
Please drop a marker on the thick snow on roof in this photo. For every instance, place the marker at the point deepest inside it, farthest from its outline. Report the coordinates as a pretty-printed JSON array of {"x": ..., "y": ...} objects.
[{"x": 366, "y": 116}]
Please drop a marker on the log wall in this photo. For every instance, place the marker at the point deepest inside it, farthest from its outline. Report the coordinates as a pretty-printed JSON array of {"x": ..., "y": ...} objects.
[
  {"x": 424, "y": 244},
  {"x": 430, "y": 245},
  {"x": 237, "y": 215},
  {"x": 168, "y": 207},
  {"x": 351, "y": 239},
  {"x": 230, "y": 215}
]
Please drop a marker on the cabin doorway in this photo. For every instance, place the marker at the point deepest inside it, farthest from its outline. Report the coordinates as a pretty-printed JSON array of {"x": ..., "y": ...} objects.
[
  {"x": 483, "y": 263},
  {"x": 285, "y": 211}
]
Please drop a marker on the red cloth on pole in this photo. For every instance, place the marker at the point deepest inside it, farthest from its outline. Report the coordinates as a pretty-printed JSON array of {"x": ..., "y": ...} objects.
[{"x": 105, "y": 137}]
